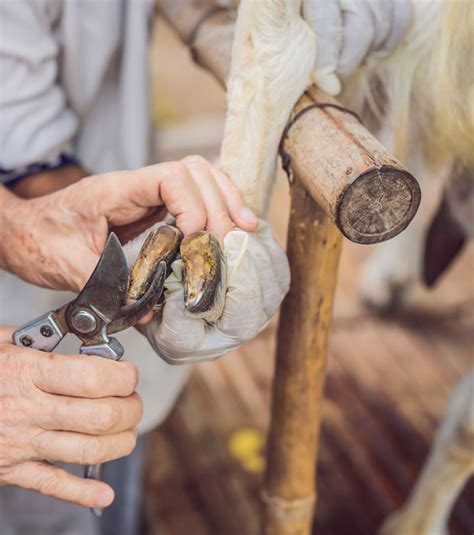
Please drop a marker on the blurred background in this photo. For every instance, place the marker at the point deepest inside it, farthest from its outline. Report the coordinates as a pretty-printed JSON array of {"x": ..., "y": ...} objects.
[{"x": 388, "y": 382}]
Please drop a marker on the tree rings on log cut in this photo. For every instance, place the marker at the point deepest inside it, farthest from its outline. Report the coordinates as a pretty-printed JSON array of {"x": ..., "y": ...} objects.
[{"x": 378, "y": 205}]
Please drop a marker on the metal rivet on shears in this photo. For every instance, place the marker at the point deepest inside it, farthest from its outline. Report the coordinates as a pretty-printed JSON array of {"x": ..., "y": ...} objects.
[
  {"x": 46, "y": 331},
  {"x": 26, "y": 340},
  {"x": 84, "y": 322}
]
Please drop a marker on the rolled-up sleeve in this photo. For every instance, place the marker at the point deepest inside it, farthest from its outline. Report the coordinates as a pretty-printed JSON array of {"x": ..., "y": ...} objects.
[{"x": 36, "y": 124}]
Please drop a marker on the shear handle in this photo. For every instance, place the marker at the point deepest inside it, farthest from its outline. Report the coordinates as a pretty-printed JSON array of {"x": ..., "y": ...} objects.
[{"x": 43, "y": 333}]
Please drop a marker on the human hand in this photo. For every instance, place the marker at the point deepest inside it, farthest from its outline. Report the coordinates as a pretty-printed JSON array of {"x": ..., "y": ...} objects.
[
  {"x": 348, "y": 31},
  {"x": 63, "y": 408},
  {"x": 258, "y": 278},
  {"x": 55, "y": 240}
]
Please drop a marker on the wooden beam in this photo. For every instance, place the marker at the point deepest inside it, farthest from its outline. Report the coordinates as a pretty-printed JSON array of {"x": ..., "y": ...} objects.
[{"x": 364, "y": 190}]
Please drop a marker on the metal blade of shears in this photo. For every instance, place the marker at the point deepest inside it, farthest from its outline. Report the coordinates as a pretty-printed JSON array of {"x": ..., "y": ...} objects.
[
  {"x": 130, "y": 314},
  {"x": 106, "y": 289},
  {"x": 89, "y": 314}
]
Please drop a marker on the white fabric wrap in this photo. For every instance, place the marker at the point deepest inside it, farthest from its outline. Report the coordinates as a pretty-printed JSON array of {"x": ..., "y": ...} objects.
[{"x": 258, "y": 278}]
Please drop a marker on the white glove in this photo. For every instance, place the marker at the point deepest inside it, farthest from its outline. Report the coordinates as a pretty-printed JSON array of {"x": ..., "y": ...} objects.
[
  {"x": 258, "y": 277},
  {"x": 348, "y": 31}
]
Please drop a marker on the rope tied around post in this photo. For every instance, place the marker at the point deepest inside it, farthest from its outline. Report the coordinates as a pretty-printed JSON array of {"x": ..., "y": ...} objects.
[{"x": 285, "y": 157}]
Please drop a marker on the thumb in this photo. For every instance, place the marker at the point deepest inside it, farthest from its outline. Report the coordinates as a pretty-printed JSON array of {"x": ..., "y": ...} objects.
[{"x": 80, "y": 271}]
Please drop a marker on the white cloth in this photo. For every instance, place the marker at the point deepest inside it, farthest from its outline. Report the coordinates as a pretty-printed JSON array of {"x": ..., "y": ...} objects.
[
  {"x": 258, "y": 277},
  {"x": 74, "y": 78},
  {"x": 348, "y": 31}
]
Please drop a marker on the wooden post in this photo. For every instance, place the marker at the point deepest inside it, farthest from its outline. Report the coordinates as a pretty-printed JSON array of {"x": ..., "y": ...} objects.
[{"x": 314, "y": 245}]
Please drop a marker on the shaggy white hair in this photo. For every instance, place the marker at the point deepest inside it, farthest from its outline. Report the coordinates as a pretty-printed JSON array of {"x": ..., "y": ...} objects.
[
  {"x": 424, "y": 90},
  {"x": 272, "y": 57}
]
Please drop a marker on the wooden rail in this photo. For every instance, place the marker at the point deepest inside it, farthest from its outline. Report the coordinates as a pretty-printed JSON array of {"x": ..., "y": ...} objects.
[{"x": 344, "y": 179}]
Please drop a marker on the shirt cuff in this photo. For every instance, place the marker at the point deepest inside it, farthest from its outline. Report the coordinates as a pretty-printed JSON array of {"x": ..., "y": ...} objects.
[{"x": 9, "y": 177}]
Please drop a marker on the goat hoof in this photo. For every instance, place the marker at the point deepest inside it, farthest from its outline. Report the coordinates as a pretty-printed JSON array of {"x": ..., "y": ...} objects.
[
  {"x": 204, "y": 275},
  {"x": 162, "y": 244},
  {"x": 383, "y": 287}
]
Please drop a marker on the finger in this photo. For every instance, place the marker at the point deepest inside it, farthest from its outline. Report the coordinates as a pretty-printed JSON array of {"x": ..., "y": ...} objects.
[
  {"x": 6, "y": 334},
  {"x": 132, "y": 193},
  {"x": 326, "y": 21},
  {"x": 382, "y": 14},
  {"x": 125, "y": 233},
  {"x": 358, "y": 35},
  {"x": 240, "y": 213},
  {"x": 217, "y": 214},
  {"x": 89, "y": 377},
  {"x": 402, "y": 16},
  {"x": 146, "y": 318},
  {"x": 183, "y": 200},
  {"x": 84, "y": 449},
  {"x": 94, "y": 417},
  {"x": 56, "y": 482}
]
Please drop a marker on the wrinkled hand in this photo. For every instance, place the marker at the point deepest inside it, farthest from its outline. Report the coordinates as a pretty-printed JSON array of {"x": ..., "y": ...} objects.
[
  {"x": 63, "y": 408},
  {"x": 55, "y": 240},
  {"x": 348, "y": 31},
  {"x": 258, "y": 278}
]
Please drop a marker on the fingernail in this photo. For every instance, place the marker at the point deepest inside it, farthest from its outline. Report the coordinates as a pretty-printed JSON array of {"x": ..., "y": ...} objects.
[
  {"x": 105, "y": 498},
  {"x": 247, "y": 214}
]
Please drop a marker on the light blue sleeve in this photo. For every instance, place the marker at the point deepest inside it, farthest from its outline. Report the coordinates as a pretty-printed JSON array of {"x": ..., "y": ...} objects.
[{"x": 36, "y": 125}]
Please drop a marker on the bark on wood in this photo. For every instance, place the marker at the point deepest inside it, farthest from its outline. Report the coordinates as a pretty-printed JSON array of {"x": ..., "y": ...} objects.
[
  {"x": 366, "y": 192},
  {"x": 349, "y": 173},
  {"x": 314, "y": 245}
]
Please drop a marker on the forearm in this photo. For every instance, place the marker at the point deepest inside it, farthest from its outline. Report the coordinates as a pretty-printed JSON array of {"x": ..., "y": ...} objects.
[{"x": 47, "y": 181}]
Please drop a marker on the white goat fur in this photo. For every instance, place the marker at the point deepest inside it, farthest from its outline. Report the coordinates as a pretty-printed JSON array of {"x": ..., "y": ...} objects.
[
  {"x": 272, "y": 58},
  {"x": 425, "y": 116},
  {"x": 428, "y": 81},
  {"x": 445, "y": 473}
]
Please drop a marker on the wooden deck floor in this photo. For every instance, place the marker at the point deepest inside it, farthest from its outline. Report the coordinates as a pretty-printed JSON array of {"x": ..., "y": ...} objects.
[{"x": 387, "y": 386}]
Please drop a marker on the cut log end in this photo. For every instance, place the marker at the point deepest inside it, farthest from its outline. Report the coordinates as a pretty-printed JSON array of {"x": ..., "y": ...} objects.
[{"x": 378, "y": 205}]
